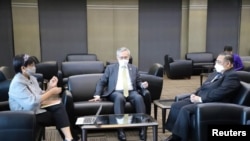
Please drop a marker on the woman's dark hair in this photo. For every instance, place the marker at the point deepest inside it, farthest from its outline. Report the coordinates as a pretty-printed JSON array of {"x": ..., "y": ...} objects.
[{"x": 21, "y": 60}]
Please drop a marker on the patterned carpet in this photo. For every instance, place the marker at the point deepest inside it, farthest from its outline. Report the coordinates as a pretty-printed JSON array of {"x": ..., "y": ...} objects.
[{"x": 170, "y": 89}]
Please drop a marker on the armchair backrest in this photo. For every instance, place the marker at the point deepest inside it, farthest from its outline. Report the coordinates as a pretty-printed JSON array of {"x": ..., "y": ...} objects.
[
  {"x": 17, "y": 125},
  {"x": 81, "y": 57},
  {"x": 243, "y": 95},
  {"x": 83, "y": 86},
  {"x": 4, "y": 88},
  {"x": 81, "y": 67},
  {"x": 244, "y": 76},
  {"x": 5, "y": 73},
  {"x": 216, "y": 114},
  {"x": 246, "y": 62},
  {"x": 200, "y": 57},
  {"x": 47, "y": 68},
  {"x": 156, "y": 69},
  {"x": 167, "y": 61}
]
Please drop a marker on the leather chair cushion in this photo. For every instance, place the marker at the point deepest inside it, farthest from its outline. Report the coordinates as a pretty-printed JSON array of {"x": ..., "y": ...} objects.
[
  {"x": 243, "y": 95},
  {"x": 4, "y": 89},
  {"x": 17, "y": 125},
  {"x": 155, "y": 85},
  {"x": 82, "y": 67},
  {"x": 81, "y": 57},
  {"x": 48, "y": 69},
  {"x": 200, "y": 57}
]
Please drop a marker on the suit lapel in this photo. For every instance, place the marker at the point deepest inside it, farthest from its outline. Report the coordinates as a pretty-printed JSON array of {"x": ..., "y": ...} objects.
[
  {"x": 116, "y": 69},
  {"x": 130, "y": 70}
]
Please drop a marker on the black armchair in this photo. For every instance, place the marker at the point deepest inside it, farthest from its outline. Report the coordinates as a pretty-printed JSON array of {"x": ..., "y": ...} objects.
[
  {"x": 81, "y": 57},
  {"x": 81, "y": 88},
  {"x": 48, "y": 69},
  {"x": 220, "y": 115},
  {"x": 17, "y": 125},
  {"x": 177, "y": 69},
  {"x": 154, "y": 77},
  {"x": 80, "y": 67},
  {"x": 210, "y": 115},
  {"x": 4, "y": 88},
  {"x": 244, "y": 76}
]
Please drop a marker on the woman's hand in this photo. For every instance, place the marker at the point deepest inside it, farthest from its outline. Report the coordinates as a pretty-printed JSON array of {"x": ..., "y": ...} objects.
[
  {"x": 55, "y": 90},
  {"x": 53, "y": 82}
]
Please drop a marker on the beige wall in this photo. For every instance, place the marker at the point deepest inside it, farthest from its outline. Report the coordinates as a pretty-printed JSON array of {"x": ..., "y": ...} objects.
[
  {"x": 244, "y": 46},
  {"x": 114, "y": 23},
  {"x": 26, "y": 27},
  {"x": 197, "y": 22}
]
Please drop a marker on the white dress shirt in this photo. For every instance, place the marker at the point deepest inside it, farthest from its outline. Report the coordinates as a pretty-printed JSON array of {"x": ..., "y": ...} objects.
[{"x": 119, "y": 84}]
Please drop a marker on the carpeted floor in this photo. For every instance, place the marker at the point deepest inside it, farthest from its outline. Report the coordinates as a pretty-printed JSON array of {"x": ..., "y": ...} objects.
[{"x": 170, "y": 89}]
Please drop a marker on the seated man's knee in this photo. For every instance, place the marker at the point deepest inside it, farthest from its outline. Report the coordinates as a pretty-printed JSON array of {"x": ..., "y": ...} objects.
[{"x": 120, "y": 98}]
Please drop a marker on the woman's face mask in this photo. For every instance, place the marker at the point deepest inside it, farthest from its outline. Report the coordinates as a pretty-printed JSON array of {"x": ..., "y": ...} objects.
[{"x": 31, "y": 70}]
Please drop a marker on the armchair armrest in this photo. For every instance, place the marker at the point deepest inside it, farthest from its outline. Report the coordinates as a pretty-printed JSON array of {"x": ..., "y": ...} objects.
[
  {"x": 181, "y": 96},
  {"x": 155, "y": 85},
  {"x": 147, "y": 99},
  {"x": 246, "y": 120},
  {"x": 67, "y": 99}
]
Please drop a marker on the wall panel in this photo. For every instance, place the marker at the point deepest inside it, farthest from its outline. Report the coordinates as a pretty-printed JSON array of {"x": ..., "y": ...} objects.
[
  {"x": 63, "y": 28},
  {"x": 223, "y": 25},
  {"x": 159, "y": 31},
  {"x": 6, "y": 34}
]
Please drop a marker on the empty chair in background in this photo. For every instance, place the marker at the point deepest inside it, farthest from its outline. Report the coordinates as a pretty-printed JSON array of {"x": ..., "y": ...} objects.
[
  {"x": 81, "y": 57},
  {"x": 177, "y": 69},
  {"x": 80, "y": 67}
]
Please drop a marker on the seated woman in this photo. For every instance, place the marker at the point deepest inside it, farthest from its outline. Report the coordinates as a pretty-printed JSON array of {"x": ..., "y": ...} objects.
[{"x": 25, "y": 94}]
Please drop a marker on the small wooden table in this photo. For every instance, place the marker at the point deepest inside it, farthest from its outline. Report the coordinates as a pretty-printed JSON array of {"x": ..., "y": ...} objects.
[{"x": 164, "y": 104}]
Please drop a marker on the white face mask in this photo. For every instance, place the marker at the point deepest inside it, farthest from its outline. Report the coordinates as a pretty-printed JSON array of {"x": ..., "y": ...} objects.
[
  {"x": 123, "y": 62},
  {"x": 31, "y": 71},
  {"x": 219, "y": 68}
]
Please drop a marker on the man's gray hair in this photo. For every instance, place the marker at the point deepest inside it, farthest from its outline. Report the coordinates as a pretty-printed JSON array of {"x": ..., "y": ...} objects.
[{"x": 119, "y": 50}]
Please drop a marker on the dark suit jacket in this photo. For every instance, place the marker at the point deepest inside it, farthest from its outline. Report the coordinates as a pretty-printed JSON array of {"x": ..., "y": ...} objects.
[
  {"x": 223, "y": 89},
  {"x": 109, "y": 79}
]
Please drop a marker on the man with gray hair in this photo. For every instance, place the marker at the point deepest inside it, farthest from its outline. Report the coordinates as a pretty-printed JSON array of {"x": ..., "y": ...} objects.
[{"x": 121, "y": 81}]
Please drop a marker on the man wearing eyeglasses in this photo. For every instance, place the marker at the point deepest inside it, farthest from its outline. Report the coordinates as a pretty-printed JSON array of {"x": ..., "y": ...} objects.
[
  {"x": 220, "y": 86},
  {"x": 121, "y": 81}
]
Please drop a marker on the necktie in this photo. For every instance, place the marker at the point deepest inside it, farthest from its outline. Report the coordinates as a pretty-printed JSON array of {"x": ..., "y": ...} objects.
[
  {"x": 217, "y": 76},
  {"x": 125, "y": 82}
]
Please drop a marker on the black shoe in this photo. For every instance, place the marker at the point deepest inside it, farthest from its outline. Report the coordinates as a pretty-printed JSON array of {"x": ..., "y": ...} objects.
[
  {"x": 142, "y": 134},
  {"x": 121, "y": 135}
]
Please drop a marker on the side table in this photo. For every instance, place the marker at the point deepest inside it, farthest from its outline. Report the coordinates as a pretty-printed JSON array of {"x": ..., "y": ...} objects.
[{"x": 164, "y": 104}]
